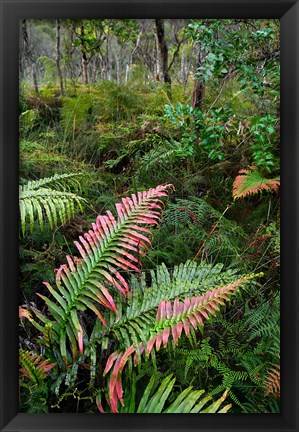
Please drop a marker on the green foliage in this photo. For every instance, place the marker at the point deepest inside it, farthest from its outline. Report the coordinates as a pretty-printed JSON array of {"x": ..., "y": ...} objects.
[
  {"x": 50, "y": 72},
  {"x": 264, "y": 133},
  {"x": 250, "y": 182},
  {"x": 81, "y": 284},
  {"x": 75, "y": 112},
  {"x": 33, "y": 367},
  {"x": 28, "y": 120},
  {"x": 39, "y": 199},
  {"x": 186, "y": 323},
  {"x": 189, "y": 401},
  {"x": 42, "y": 159},
  {"x": 216, "y": 236},
  {"x": 201, "y": 132},
  {"x": 117, "y": 103}
]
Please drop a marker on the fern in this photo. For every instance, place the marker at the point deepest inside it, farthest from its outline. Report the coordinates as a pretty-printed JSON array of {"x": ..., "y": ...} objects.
[
  {"x": 251, "y": 181},
  {"x": 147, "y": 330},
  {"x": 156, "y": 400},
  {"x": 34, "y": 367},
  {"x": 162, "y": 154},
  {"x": 272, "y": 383},
  {"x": 214, "y": 233},
  {"x": 71, "y": 181},
  {"x": 37, "y": 200},
  {"x": 189, "y": 279},
  {"x": 85, "y": 283},
  {"x": 263, "y": 322}
]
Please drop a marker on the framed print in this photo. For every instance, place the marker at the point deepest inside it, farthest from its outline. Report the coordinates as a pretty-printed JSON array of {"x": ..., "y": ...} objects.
[{"x": 149, "y": 207}]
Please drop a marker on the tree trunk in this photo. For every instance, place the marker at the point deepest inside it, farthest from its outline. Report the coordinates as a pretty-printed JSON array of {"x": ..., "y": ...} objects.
[
  {"x": 118, "y": 71},
  {"x": 84, "y": 58},
  {"x": 199, "y": 89},
  {"x": 58, "y": 56},
  {"x": 34, "y": 75},
  {"x": 163, "y": 52},
  {"x": 30, "y": 56}
]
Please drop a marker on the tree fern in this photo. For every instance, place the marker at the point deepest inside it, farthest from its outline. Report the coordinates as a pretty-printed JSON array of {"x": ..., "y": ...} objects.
[
  {"x": 40, "y": 199},
  {"x": 251, "y": 181}
]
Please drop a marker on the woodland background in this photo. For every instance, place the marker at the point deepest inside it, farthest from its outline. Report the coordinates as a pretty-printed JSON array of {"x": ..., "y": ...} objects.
[{"x": 109, "y": 108}]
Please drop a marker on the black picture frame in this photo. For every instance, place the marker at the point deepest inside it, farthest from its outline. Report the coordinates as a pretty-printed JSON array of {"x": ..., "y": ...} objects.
[{"x": 288, "y": 13}]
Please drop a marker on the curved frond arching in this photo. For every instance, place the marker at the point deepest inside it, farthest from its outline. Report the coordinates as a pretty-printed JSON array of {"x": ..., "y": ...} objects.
[
  {"x": 112, "y": 245},
  {"x": 250, "y": 181},
  {"x": 50, "y": 199},
  {"x": 47, "y": 203},
  {"x": 34, "y": 367},
  {"x": 155, "y": 400},
  {"x": 171, "y": 320},
  {"x": 70, "y": 181},
  {"x": 138, "y": 316}
]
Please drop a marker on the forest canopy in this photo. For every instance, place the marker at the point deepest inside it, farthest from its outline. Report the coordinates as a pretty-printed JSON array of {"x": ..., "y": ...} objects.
[{"x": 149, "y": 215}]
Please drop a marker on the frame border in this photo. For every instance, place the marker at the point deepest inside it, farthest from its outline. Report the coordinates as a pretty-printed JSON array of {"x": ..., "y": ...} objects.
[{"x": 10, "y": 12}]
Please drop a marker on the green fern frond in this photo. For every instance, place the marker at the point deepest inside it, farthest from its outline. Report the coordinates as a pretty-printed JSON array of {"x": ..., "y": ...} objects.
[
  {"x": 189, "y": 401},
  {"x": 138, "y": 315},
  {"x": 170, "y": 321},
  {"x": 264, "y": 320},
  {"x": 38, "y": 204},
  {"x": 155, "y": 400},
  {"x": 250, "y": 181},
  {"x": 218, "y": 235},
  {"x": 84, "y": 284},
  {"x": 63, "y": 182},
  {"x": 34, "y": 366},
  {"x": 158, "y": 155}
]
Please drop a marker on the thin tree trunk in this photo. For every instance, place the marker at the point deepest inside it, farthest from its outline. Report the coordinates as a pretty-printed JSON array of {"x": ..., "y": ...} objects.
[
  {"x": 184, "y": 75},
  {"x": 58, "y": 56},
  {"x": 127, "y": 74},
  {"x": 199, "y": 89},
  {"x": 163, "y": 51},
  {"x": 118, "y": 73},
  {"x": 84, "y": 59},
  {"x": 34, "y": 75},
  {"x": 30, "y": 56}
]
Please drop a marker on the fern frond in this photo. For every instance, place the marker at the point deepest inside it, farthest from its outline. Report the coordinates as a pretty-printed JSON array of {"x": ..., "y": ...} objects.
[
  {"x": 158, "y": 155},
  {"x": 272, "y": 383},
  {"x": 189, "y": 401},
  {"x": 251, "y": 181},
  {"x": 218, "y": 235},
  {"x": 54, "y": 205},
  {"x": 155, "y": 400},
  {"x": 24, "y": 313},
  {"x": 34, "y": 366},
  {"x": 105, "y": 250},
  {"x": 170, "y": 321},
  {"x": 263, "y": 322},
  {"x": 70, "y": 181},
  {"x": 137, "y": 316}
]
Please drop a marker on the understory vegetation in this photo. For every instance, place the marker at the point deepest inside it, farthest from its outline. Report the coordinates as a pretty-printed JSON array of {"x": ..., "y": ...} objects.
[{"x": 149, "y": 216}]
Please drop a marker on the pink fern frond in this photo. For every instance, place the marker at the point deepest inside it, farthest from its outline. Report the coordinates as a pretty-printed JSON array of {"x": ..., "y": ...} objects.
[{"x": 250, "y": 181}]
